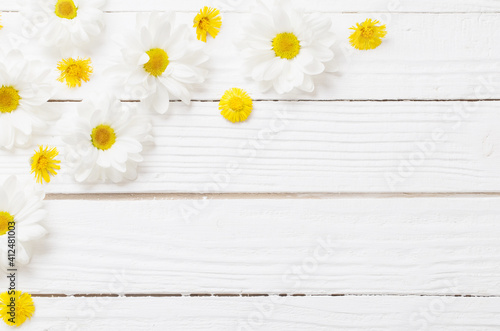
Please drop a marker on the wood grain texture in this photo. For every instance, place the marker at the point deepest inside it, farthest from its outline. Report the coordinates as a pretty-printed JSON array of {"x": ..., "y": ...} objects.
[
  {"x": 271, "y": 313},
  {"x": 425, "y": 56},
  {"x": 457, "y": 6},
  {"x": 446, "y": 246},
  {"x": 307, "y": 147},
  {"x": 400, "y": 262}
]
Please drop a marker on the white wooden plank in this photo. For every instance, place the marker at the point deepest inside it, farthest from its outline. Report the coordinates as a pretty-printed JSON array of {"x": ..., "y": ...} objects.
[
  {"x": 430, "y": 246},
  {"x": 268, "y": 313},
  {"x": 307, "y": 147},
  {"x": 313, "y": 5},
  {"x": 425, "y": 56}
]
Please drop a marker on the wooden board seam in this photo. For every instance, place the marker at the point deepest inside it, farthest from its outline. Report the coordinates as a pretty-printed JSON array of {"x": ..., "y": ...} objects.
[
  {"x": 243, "y": 295},
  {"x": 284, "y": 195},
  {"x": 310, "y": 100}
]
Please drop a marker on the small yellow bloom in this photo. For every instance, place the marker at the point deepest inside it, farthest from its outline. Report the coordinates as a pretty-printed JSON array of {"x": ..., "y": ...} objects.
[
  {"x": 23, "y": 307},
  {"x": 1, "y": 26},
  {"x": 236, "y": 105},
  {"x": 43, "y": 164},
  {"x": 367, "y": 35},
  {"x": 208, "y": 20},
  {"x": 74, "y": 71}
]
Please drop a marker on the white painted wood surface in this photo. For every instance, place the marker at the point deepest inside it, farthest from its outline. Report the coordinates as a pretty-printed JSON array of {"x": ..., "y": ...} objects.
[
  {"x": 371, "y": 128},
  {"x": 267, "y": 313},
  {"x": 309, "y": 147},
  {"x": 312, "y": 246},
  {"x": 458, "y": 60},
  {"x": 363, "y": 6}
]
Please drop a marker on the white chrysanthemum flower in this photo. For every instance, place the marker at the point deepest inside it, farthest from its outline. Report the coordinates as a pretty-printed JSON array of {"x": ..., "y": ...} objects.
[
  {"x": 284, "y": 48},
  {"x": 106, "y": 142},
  {"x": 24, "y": 92},
  {"x": 20, "y": 203},
  {"x": 162, "y": 61},
  {"x": 65, "y": 23}
]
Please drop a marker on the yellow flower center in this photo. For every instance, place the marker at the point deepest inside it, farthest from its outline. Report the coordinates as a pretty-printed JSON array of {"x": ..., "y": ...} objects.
[
  {"x": 42, "y": 162},
  {"x": 236, "y": 104},
  {"x": 5, "y": 219},
  {"x": 286, "y": 45},
  {"x": 158, "y": 62},
  {"x": 103, "y": 137},
  {"x": 367, "y": 32},
  {"x": 204, "y": 23},
  {"x": 9, "y": 99},
  {"x": 66, "y": 9},
  {"x": 74, "y": 70}
]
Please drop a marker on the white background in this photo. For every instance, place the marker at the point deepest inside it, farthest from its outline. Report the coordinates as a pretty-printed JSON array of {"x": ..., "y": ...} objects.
[{"x": 351, "y": 209}]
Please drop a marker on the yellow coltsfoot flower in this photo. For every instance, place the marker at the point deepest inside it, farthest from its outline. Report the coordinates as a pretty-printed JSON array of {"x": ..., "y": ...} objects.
[
  {"x": 73, "y": 72},
  {"x": 17, "y": 314},
  {"x": 208, "y": 20},
  {"x": 367, "y": 35},
  {"x": 235, "y": 105},
  {"x": 43, "y": 164}
]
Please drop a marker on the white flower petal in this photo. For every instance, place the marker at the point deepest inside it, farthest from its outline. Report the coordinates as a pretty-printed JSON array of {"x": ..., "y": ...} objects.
[
  {"x": 176, "y": 88},
  {"x": 30, "y": 232}
]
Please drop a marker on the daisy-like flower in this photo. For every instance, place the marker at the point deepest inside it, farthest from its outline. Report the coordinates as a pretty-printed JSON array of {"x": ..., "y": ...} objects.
[
  {"x": 367, "y": 35},
  {"x": 74, "y": 71},
  {"x": 161, "y": 62},
  {"x": 106, "y": 142},
  {"x": 235, "y": 105},
  {"x": 24, "y": 93},
  {"x": 22, "y": 310},
  {"x": 44, "y": 165},
  {"x": 20, "y": 203},
  {"x": 284, "y": 48},
  {"x": 208, "y": 20},
  {"x": 66, "y": 22}
]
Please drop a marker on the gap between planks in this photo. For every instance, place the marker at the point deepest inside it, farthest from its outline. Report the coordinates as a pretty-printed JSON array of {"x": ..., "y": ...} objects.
[
  {"x": 314, "y": 100},
  {"x": 325, "y": 12},
  {"x": 243, "y": 295},
  {"x": 284, "y": 195}
]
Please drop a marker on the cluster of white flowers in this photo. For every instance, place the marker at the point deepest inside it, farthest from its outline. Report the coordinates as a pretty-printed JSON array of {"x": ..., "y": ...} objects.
[{"x": 282, "y": 49}]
